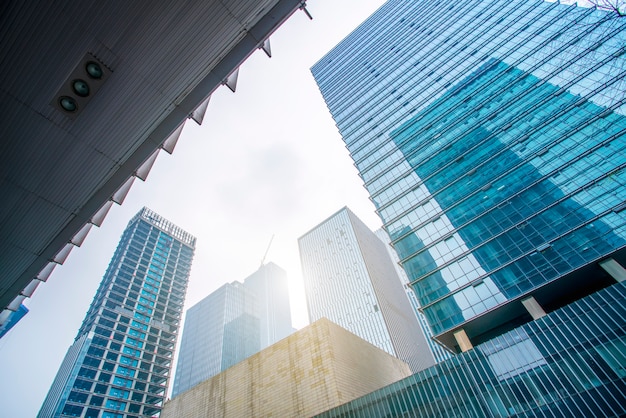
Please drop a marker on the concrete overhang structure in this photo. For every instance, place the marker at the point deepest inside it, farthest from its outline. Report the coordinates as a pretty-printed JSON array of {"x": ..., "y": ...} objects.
[{"x": 90, "y": 92}]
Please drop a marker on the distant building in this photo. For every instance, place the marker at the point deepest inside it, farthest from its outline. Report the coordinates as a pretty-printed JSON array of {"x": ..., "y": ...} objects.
[
  {"x": 231, "y": 324},
  {"x": 121, "y": 359},
  {"x": 491, "y": 137},
  {"x": 271, "y": 289},
  {"x": 219, "y": 331},
  {"x": 311, "y": 371},
  {"x": 13, "y": 319},
  {"x": 350, "y": 279}
]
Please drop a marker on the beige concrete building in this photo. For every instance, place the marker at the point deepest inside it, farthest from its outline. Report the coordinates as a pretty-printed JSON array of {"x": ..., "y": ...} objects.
[{"x": 313, "y": 370}]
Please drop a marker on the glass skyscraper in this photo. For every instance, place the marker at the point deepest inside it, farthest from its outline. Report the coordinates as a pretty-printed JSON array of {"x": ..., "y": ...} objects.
[
  {"x": 270, "y": 287},
  {"x": 231, "y": 324},
  {"x": 350, "y": 278},
  {"x": 119, "y": 365},
  {"x": 439, "y": 352},
  {"x": 491, "y": 137}
]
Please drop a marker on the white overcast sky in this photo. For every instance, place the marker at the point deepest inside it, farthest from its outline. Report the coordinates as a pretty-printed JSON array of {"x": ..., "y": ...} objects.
[{"x": 267, "y": 160}]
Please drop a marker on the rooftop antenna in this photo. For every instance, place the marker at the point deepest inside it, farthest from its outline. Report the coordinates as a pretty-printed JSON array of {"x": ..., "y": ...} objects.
[{"x": 266, "y": 251}]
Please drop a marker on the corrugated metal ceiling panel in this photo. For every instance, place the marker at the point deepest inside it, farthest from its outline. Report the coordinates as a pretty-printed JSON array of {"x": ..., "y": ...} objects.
[{"x": 52, "y": 167}]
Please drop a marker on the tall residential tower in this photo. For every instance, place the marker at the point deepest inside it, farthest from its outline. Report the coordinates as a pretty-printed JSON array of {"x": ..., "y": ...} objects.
[
  {"x": 121, "y": 359},
  {"x": 491, "y": 137},
  {"x": 350, "y": 279}
]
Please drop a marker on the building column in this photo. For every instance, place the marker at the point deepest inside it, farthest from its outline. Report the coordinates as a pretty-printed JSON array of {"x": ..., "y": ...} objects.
[
  {"x": 463, "y": 340},
  {"x": 533, "y": 307},
  {"x": 615, "y": 269}
]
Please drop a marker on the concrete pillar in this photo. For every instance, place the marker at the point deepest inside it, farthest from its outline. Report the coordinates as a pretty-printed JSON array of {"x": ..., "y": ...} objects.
[
  {"x": 463, "y": 340},
  {"x": 533, "y": 307},
  {"x": 614, "y": 268}
]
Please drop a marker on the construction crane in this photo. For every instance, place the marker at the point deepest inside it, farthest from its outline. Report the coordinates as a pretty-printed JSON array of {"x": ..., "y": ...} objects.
[{"x": 266, "y": 251}]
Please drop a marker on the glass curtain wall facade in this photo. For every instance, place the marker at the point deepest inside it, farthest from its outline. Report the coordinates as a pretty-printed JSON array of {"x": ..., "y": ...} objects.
[
  {"x": 491, "y": 137},
  {"x": 439, "y": 352},
  {"x": 350, "y": 279},
  {"x": 120, "y": 362},
  {"x": 570, "y": 363}
]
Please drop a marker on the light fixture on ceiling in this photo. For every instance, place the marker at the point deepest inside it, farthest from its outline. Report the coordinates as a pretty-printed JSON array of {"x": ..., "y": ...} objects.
[
  {"x": 68, "y": 104},
  {"x": 82, "y": 84},
  {"x": 80, "y": 87},
  {"x": 94, "y": 70}
]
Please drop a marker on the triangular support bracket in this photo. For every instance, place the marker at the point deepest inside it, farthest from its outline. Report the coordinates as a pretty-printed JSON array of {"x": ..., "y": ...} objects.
[
  {"x": 231, "y": 81},
  {"x": 197, "y": 115},
  {"x": 267, "y": 48}
]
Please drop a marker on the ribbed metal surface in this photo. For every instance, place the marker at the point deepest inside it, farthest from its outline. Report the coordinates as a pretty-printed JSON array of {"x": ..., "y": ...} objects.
[{"x": 56, "y": 171}]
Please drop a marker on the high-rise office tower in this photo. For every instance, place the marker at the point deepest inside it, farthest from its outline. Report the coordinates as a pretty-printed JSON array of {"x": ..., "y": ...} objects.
[
  {"x": 231, "y": 324},
  {"x": 350, "y": 279},
  {"x": 491, "y": 137},
  {"x": 120, "y": 362},
  {"x": 271, "y": 289}
]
